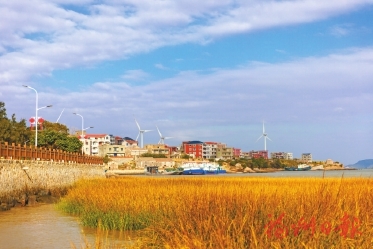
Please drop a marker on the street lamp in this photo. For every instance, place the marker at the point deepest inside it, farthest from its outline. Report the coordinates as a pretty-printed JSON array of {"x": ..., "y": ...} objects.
[
  {"x": 81, "y": 136},
  {"x": 36, "y": 114}
]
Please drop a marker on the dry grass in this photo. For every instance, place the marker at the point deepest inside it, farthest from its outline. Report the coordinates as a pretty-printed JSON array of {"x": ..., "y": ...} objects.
[{"x": 231, "y": 212}]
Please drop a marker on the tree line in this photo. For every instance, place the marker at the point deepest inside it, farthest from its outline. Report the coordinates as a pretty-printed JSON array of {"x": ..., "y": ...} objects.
[
  {"x": 260, "y": 163},
  {"x": 50, "y": 135}
]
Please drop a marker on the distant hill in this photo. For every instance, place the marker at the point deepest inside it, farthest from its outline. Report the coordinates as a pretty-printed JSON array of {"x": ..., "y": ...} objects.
[{"x": 363, "y": 164}]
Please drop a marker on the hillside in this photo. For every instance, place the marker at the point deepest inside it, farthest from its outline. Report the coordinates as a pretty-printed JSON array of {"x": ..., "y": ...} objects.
[{"x": 363, "y": 164}]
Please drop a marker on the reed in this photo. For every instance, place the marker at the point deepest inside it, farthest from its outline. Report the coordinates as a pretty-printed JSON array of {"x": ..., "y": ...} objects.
[{"x": 230, "y": 212}]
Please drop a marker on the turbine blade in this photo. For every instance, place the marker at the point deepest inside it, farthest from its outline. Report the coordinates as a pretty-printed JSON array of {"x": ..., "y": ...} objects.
[
  {"x": 263, "y": 128},
  {"x": 137, "y": 137},
  {"x": 159, "y": 131},
  {"x": 269, "y": 139},
  {"x": 259, "y": 138},
  {"x": 167, "y": 137},
  {"x": 146, "y": 130},
  {"x": 137, "y": 124},
  {"x": 60, "y": 115}
]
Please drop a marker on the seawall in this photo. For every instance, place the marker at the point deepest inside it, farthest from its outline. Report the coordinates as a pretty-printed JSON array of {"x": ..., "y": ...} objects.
[{"x": 25, "y": 182}]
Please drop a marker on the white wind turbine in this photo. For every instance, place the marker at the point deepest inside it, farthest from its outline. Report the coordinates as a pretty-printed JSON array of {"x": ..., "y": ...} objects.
[
  {"x": 161, "y": 141},
  {"x": 141, "y": 134},
  {"x": 264, "y": 135}
]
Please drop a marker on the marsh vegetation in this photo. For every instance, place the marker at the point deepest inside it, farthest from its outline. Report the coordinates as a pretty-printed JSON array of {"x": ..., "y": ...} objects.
[{"x": 229, "y": 212}]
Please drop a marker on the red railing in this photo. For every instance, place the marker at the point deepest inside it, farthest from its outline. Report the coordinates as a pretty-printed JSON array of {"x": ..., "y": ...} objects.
[{"x": 19, "y": 152}]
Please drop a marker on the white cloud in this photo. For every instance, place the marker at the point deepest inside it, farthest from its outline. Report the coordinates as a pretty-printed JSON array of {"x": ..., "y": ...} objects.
[
  {"x": 341, "y": 30},
  {"x": 135, "y": 75},
  {"x": 315, "y": 86},
  {"x": 42, "y": 36},
  {"x": 39, "y": 36},
  {"x": 160, "y": 66}
]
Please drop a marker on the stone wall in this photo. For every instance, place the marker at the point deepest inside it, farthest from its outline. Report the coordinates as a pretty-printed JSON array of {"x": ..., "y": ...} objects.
[{"x": 21, "y": 181}]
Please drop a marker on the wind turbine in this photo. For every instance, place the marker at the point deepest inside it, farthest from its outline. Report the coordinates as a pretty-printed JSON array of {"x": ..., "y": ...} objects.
[
  {"x": 264, "y": 135},
  {"x": 161, "y": 141},
  {"x": 141, "y": 134},
  {"x": 60, "y": 115}
]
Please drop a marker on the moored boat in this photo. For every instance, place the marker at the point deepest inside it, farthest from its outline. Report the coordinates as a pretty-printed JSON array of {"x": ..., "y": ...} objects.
[
  {"x": 202, "y": 168},
  {"x": 301, "y": 167},
  {"x": 172, "y": 171}
]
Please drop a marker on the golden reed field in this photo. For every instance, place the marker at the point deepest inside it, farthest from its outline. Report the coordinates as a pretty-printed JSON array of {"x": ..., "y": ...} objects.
[{"x": 229, "y": 212}]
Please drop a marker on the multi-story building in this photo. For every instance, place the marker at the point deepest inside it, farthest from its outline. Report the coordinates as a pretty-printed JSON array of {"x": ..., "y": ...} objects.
[
  {"x": 236, "y": 152},
  {"x": 135, "y": 151},
  {"x": 209, "y": 150},
  {"x": 160, "y": 149},
  {"x": 112, "y": 150},
  {"x": 246, "y": 155},
  {"x": 193, "y": 148},
  {"x": 306, "y": 157},
  {"x": 282, "y": 155},
  {"x": 259, "y": 154},
  {"x": 91, "y": 142},
  {"x": 129, "y": 142},
  {"x": 118, "y": 140},
  {"x": 225, "y": 153}
]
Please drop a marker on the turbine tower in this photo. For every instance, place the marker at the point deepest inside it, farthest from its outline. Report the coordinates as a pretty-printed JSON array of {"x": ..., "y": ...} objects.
[
  {"x": 264, "y": 135},
  {"x": 141, "y": 134},
  {"x": 161, "y": 141}
]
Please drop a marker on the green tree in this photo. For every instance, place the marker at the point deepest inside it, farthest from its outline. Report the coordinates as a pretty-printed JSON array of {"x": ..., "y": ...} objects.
[
  {"x": 59, "y": 140},
  {"x": 153, "y": 155},
  {"x": 276, "y": 163},
  {"x": 106, "y": 159},
  {"x": 259, "y": 162},
  {"x": 69, "y": 143},
  {"x": 55, "y": 127},
  {"x": 52, "y": 135},
  {"x": 12, "y": 131},
  {"x": 184, "y": 156}
]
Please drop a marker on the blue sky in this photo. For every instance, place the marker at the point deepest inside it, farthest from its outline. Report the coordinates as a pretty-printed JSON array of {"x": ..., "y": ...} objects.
[{"x": 210, "y": 71}]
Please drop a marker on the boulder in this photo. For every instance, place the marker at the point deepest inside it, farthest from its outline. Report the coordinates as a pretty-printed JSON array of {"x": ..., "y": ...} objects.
[
  {"x": 238, "y": 166},
  {"x": 248, "y": 170}
]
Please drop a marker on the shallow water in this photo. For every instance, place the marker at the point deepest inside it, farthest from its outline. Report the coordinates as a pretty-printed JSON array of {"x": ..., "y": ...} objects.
[{"x": 43, "y": 226}]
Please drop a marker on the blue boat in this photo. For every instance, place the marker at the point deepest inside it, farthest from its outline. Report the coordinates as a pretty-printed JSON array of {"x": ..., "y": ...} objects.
[
  {"x": 202, "y": 169},
  {"x": 194, "y": 171}
]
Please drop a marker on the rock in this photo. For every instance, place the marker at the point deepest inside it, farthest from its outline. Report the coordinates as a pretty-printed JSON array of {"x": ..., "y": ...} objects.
[
  {"x": 248, "y": 170},
  {"x": 239, "y": 166}
]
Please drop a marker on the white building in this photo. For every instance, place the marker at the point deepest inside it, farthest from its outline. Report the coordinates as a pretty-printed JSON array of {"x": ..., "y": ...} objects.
[
  {"x": 282, "y": 155},
  {"x": 306, "y": 157},
  {"x": 209, "y": 150},
  {"x": 91, "y": 142}
]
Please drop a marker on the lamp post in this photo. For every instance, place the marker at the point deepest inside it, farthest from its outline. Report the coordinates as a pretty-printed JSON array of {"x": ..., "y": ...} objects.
[
  {"x": 36, "y": 114},
  {"x": 81, "y": 136}
]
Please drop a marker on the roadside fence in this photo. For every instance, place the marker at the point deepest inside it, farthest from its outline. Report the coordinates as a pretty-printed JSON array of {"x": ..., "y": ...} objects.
[{"x": 18, "y": 152}]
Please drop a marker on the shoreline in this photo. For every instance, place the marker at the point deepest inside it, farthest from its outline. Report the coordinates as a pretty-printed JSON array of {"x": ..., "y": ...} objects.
[{"x": 25, "y": 182}]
